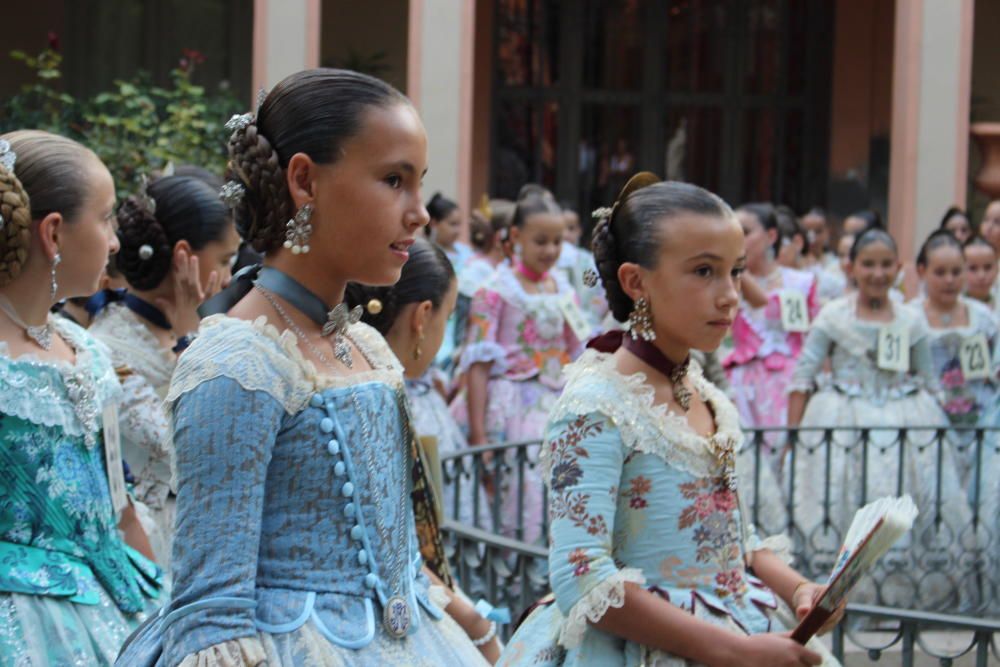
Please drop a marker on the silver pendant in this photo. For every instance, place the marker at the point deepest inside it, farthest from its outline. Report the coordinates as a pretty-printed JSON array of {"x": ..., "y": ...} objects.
[
  {"x": 342, "y": 350},
  {"x": 396, "y": 617},
  {"x": 41, "y": 335}
]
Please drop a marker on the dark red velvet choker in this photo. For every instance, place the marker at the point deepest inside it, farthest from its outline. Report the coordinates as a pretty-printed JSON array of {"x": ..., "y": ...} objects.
[{"x": 652, "y": 355}]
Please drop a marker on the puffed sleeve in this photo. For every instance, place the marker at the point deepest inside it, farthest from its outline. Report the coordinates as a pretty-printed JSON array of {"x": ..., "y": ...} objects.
[
  {"x": 224, "y": 436},
  {"x": 481, "y": 341},
  {"x": 586, "y": 457},
  {"x": 814, "y": 353}
]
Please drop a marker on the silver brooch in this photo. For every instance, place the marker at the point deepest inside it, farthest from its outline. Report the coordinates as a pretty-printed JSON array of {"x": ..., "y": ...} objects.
[
  {"x": 7, "y": 156},
  {"x": 590, "y": 278},
  {"x": 261, "y": 96},
  {"x": 602, "y": 213},
  {"x": 337, "y": 321},
  {"x": 232, "y": 193},
  {"x": 239, "y": 122}
]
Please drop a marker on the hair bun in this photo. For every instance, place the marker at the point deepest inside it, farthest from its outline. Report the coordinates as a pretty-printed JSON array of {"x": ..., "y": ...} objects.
[
  {"x": 261, "y": 215},
  {"x": 15, "y": 226},
  {"x": 145, "y": 256}
]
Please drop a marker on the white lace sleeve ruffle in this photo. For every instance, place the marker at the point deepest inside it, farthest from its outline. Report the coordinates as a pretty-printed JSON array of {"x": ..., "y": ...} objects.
[
  {"x": 486, "y": 352},
  {"x": 592, "y": 606},
  {"x": 59, "y": 394},
  {"x": 594, "y": 385},
  {"x": 243, "y": 652}
]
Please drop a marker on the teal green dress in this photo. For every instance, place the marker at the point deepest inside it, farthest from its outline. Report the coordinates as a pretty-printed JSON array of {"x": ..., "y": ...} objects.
[{"x": 71, "y": 591}]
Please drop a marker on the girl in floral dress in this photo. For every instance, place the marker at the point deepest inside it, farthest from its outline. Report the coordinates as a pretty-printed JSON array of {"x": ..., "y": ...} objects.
[
  {"x": 518, "y": 341},
  {"x": 959, "y": 328},
  {"x": 71, "y": 589},
  {"x": 651, "y": 559}
]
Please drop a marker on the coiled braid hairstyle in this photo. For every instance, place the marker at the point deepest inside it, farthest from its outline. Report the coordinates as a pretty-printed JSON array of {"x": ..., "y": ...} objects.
[
  {"x": 48, "y": 177},
  {"x": 314, "y": 112},
  {"x": 633, "y": 230}
]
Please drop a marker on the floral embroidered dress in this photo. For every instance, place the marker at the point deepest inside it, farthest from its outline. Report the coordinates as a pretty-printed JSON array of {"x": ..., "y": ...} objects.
[
  {"x": 637, "y": 496},
  {"x": 145, "y": 368},
  {"x": 528, "y": 341},
  {"x": 295, "y": 529},
  {"x": 71, "y": 590},
  {"x": 764, "y": 354},
  {"x": 965, "y": 401},
  {"x": 858, "y": 466}
]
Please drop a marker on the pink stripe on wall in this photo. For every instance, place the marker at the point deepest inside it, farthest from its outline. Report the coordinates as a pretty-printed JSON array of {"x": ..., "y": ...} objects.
[
  {"x": 414, "y": 51},
  {"x": 466, "y": 90},
  {"x": 905, "y": 126},
  {"x": 259, "y": 68},
  {"x": 314, "y": 27},
  {"x": 964, "y": 99}
]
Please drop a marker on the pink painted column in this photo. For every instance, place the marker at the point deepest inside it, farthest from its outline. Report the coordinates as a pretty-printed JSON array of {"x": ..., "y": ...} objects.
[
  {"x": 285, "y": 40},
  {"x": 904, "y": 136}
]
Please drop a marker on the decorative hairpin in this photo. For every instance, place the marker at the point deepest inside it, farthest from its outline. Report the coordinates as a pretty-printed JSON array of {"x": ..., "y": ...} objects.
[
  {"x": 590, "y": 278},
  {"x": 261, "y": 96},
  {"x": 145, "y": 252},
  {"x": 148, "y": 202},
  {"x": 602, "y": 213},
  {"x": 232, "y": 193},
  {"x": 484, "y": 207},
  {"x": 7, "y": 156},
  {"x": 239, "y": 122}
]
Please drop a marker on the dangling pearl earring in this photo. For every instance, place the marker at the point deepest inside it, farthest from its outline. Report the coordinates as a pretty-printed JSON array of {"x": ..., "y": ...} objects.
[{"x": 54, "y": 287}]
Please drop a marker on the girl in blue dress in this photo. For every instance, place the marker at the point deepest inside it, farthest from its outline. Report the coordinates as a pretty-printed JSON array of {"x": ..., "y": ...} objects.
[
  {"x": 295, "y": 538},
  {"x": 651, "y": 559},
  {"x": 71, "y": 590}
]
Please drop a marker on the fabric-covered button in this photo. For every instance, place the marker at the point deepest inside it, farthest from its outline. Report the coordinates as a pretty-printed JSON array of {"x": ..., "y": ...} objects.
[
  {"x": 363, "y": 557},
  {"x": 348, "y": 490},
  {"x": 356, "y": 532},
  {"x": 339, "y": 469},
  {"x": 331, "y": 406},
  {"x": 333, "y": 447},
  {"x": 371, "y": 580},
  {"x": 326, "y": 425},
  {"x": 316, "y": 401},
  {"x": 349, "y": 510}
]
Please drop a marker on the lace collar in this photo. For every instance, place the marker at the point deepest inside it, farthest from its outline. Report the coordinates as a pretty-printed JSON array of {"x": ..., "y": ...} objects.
[
  {"x": 594, "y": 384},
  {"x": 133, "y": 345},
  {"x": 57, "y": 393},
  {"x": 509, "y": 287}
]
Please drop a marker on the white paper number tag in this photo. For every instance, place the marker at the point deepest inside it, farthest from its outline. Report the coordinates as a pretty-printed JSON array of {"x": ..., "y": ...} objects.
[
  {"x": 974, "y": 355},
  {"x": 574, "y": 317},
  {"x": 894, "y": 348},
  {"x": 113, "y": 458},
  {"x": 794, "y": 311}
]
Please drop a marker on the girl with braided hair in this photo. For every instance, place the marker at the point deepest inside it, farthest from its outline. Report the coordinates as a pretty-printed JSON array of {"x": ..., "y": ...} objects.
[
  {"x": 177, "y": 243},
  {"x": 295, "y": 541},
  {"x": 71, "y": 590},
  {"x": 651, "y": 559}
]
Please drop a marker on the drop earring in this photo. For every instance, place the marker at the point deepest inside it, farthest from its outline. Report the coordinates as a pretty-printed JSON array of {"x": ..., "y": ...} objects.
[
  {"x": 54, "y": 286},
  {"x": 298, "y": 230},
  {"x": 640, "y": 321},
  {"x": 417, "y": 351}
]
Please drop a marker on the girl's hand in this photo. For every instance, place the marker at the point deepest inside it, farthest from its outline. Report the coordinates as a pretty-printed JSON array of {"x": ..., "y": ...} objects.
[
  {"x": 805, "y": 598},
  {"x": 774, "y": 650},
  {"x": 189, "y": 293}
]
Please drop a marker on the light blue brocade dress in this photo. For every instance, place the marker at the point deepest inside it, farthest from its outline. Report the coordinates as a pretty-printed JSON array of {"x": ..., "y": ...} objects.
[
  {"x": 635, "y": 495},
  {"x": 294, "y": 523}
]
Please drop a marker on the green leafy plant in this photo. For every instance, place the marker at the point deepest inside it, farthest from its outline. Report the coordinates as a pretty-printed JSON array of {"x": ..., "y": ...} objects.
[{"x": 136, "y": 128}]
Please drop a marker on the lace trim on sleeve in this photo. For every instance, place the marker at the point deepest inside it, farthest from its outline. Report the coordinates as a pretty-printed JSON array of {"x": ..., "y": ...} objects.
[
  {"x": 592, "y": 606},
  {"x": 485, "y": 352},
  {"x": 595, "y": 385},
  {"x": 243, "y": 652}
]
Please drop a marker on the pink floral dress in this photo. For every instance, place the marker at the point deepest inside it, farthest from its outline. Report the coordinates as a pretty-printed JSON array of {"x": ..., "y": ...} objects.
[{"x": 528, "y": 340}]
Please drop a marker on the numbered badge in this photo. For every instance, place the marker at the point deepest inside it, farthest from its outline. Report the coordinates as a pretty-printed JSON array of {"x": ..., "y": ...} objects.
[
  {"x": 575, "y": 318},
  {"x": 894, "y": 348},
  {"x": 113, "y": 458},
  {"x": 794, "y": 311},
  {"x": 974, "y": 355}
]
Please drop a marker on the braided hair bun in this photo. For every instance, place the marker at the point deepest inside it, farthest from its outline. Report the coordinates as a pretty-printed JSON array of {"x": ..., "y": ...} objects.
[
  {"x": 631, "y": 230},
  {"x": 15, "y": 230},
  {"x": 266, "y": 207},
  {"x": 146, "y": 253}
]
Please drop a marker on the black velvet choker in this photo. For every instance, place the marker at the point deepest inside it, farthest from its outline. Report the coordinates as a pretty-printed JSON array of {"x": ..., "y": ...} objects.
[{"x": 652, "y": 355}]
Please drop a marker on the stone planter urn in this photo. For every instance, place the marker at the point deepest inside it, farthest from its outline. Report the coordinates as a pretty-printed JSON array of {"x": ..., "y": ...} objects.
[{"x": 987, "y": 136}]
